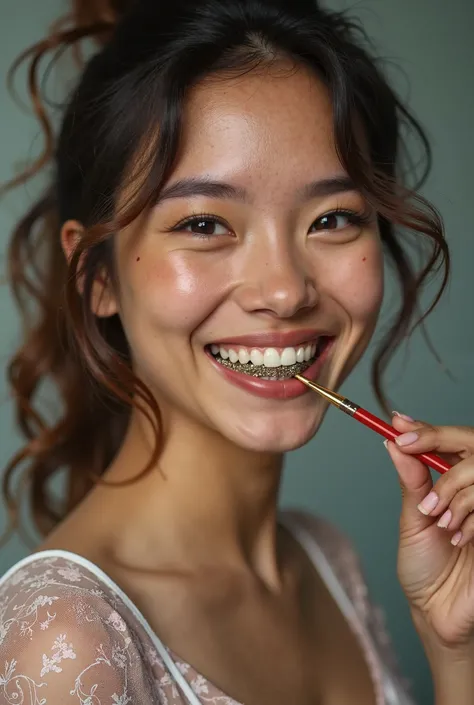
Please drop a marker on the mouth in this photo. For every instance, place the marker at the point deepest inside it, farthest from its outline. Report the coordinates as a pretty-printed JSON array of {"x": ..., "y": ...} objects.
[{"x": 270, "y": 364}]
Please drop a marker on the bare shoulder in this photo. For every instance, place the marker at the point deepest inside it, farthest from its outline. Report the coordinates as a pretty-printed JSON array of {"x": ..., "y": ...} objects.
[{"x": 63, "y": 634}]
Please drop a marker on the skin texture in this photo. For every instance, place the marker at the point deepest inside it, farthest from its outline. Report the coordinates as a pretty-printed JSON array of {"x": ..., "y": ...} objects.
[{"x": 201, "y": 551}]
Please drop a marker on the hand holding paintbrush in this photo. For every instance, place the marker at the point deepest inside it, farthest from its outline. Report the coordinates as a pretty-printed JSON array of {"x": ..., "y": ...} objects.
[{"x": 371, "y": 421}]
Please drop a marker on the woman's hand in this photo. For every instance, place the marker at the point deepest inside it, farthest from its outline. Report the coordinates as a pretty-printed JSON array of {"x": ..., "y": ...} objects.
[{"x": 436, "y": 551}]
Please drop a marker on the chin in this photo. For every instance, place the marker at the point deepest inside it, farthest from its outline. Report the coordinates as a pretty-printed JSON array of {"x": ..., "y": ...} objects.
[{"x": 270, "y": 435}]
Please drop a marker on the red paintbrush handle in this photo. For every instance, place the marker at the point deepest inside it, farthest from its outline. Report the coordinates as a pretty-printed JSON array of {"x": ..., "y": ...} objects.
[{"x": 384, "y": 429}]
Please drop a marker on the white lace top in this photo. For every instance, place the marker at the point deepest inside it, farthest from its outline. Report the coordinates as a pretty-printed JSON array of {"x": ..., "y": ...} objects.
[{"x": 66, "y": 627}]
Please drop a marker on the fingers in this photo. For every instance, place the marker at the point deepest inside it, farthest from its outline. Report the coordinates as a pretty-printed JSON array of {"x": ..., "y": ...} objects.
[
  {"x": 415, "y": 482},
  {"x": 418, "y": 437},
  {"x": 452, "y": 500},
  {"x": 465, "y": 533}
]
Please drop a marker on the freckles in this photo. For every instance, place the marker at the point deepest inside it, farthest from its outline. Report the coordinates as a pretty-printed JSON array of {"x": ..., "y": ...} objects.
[{"x": 178, "y": 291}]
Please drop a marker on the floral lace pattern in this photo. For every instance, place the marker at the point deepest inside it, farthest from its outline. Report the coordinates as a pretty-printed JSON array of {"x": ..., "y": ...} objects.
[{"x": 66, "y": 635}]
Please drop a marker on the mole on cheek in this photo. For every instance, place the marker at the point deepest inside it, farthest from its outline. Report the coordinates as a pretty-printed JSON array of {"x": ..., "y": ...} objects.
[
  {"x": 364, "y": 259},
  {"x": 138, "y": 259}
]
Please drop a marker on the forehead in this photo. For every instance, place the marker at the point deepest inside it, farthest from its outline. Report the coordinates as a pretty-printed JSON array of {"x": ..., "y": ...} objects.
[{"x": 262, "y": 125}]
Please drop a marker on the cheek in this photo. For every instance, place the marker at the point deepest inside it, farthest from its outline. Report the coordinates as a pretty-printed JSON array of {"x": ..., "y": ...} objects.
[
  {"x": 357, "y": 282},
  {"x": 176, "y": 292}
]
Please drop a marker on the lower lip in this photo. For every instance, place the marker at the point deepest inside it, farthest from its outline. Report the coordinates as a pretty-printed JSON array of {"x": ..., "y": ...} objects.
[{"x": 269, "y": 389}]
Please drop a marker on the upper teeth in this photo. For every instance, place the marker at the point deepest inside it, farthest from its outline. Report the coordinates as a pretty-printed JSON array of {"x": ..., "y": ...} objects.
[{"x": 268, "y": 357}]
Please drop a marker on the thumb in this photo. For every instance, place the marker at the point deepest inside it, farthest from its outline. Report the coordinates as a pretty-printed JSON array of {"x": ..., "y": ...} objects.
[{"x": 415, "y": 481}]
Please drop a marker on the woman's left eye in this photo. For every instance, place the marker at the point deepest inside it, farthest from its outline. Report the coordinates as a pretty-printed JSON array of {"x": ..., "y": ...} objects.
[
  {"x": 338, "y": 220},
  {"x": 203, "y": 226}
]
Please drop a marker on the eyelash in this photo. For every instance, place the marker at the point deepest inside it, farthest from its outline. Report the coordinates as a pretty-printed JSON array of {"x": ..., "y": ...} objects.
[
  {"x": 199, "y": 217},
  {"x": 355, "y": 218}
]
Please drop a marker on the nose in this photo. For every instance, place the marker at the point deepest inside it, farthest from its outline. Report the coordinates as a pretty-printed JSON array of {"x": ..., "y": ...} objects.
[{"x": 280, "y": 285}]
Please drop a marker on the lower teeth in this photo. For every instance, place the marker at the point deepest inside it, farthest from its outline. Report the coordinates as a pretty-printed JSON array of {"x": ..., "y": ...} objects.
[{"x": 270, "y": 373}]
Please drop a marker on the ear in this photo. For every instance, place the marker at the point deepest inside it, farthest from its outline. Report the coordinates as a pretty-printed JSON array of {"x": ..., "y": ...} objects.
[{"x": 104, "y": 302}]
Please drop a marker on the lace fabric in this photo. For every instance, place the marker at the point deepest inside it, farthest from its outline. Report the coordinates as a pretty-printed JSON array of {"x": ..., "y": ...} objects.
[{"x": 69, "y": 634}]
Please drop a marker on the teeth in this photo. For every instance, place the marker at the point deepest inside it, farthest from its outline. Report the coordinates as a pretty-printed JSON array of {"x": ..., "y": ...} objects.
[
  {"x": 300, "y": 355},
  {"x": 256, "y": 358},
  {"x": 244, "y": 356},
  {"x": 288, "y": 357},
  {"x": 271, "y": 358},
  {"x": 233, "y": 356}
]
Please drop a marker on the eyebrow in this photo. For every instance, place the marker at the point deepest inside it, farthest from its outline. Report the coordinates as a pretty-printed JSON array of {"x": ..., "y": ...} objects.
[
  {"x": 327, "y": 187},
  {"x": 187, "y": 188}
]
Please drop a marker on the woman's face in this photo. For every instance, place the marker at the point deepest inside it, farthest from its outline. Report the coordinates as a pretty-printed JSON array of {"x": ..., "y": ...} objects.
[{"x": 248, "y": 255}]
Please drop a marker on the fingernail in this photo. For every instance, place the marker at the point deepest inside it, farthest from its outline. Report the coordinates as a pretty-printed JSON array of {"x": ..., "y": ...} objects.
[
  {"x": 429, "y": 503},
  {"x": 406, "y": 438},
  {"x": 402, "y": 416},
  {"x": 456, "y": 538},
  {"x": 443, "y": 523},
  {"x": 386, "y": 443}
]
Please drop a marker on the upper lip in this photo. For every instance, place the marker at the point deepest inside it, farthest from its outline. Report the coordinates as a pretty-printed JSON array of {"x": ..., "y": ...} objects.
[{"x": 275, "y": 339}]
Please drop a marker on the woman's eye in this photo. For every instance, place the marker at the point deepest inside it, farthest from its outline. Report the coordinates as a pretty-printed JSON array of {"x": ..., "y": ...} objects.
[
  {"x": 204, "y": 227},
  {"x": 334, "y": 221}
]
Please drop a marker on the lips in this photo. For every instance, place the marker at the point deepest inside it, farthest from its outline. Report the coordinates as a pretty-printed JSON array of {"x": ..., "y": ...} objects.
[
  {"x": 282, "y": 384},
  {"x": 278, "y": 339}
]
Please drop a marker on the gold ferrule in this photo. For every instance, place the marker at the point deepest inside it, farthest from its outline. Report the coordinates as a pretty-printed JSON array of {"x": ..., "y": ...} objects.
[{"x": 348, "y": 407}]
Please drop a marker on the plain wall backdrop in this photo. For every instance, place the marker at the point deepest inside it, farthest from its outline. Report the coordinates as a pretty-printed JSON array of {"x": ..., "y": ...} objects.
[{"x": 344, "y": 474}]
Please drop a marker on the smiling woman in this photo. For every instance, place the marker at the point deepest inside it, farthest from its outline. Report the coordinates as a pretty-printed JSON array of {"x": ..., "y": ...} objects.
[{"x": 226, "y": 184}]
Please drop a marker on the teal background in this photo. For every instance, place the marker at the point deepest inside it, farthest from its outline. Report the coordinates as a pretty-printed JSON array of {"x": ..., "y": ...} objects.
[{"x": 344, "y": 473}]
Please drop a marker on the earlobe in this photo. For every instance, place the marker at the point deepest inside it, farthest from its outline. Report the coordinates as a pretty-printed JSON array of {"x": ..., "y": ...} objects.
[
  {"x": 103, "y": 299},
  {"x": 71, "y": 232}
]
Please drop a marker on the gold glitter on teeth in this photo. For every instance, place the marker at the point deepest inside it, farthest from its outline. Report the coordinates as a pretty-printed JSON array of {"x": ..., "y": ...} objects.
[{"x": 283, "y": 372}]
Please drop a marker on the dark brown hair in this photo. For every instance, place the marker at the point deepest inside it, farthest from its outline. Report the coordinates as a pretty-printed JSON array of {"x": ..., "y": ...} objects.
[{"x": 149, "y": 53}]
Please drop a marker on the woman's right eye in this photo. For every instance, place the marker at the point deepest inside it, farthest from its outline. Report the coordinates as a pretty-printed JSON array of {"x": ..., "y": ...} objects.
[{"x": 204, "y": 227}]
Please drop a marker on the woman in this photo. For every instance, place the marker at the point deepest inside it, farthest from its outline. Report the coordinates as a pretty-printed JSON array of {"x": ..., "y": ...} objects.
[{"x": 225, "y": 186}]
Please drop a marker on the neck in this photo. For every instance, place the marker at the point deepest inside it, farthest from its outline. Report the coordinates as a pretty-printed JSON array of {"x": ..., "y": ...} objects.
[{"x": 207, "y": 502}]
